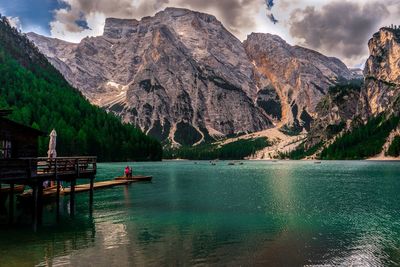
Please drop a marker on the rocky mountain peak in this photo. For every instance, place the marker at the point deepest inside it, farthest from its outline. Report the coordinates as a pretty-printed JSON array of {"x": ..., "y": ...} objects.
[
  {"x": 266, "y": 38},
  {"x": 382, "y": 72},
  {"x": 174, "y": 13},
  {"x": 118, "y": 28},
  {"x": 300, "y": 76},
  {"x": 384, "y": 60}
]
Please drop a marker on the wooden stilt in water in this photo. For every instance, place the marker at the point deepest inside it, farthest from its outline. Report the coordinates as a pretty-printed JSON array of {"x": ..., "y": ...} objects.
[
  {"x": 35, "y": 207},
  {"x": 1, "y": 205},
  {"x": 11, "y": 204},
  {"x": 37, "y": 189},
  {"x": 91, "y": 193},
  {"x": 40, "y": 204},
  {"x": 58, "y": 200},
  {"x": 72, "y": 198}
]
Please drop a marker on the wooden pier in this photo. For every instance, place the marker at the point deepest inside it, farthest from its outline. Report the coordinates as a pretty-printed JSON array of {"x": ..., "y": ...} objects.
[
  {"x": 52, "y": 192},
  {"x": 33, "y": 172}
]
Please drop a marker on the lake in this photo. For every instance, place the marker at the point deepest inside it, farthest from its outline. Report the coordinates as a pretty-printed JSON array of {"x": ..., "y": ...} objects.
[{"x": 286, "y": 213}]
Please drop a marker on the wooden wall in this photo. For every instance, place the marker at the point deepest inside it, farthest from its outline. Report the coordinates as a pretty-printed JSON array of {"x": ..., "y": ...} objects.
[{"x": 24, "y": 140}]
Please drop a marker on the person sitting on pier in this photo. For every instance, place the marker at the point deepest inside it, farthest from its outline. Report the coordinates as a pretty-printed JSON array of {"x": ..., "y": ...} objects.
[{"x": 127, "y": 172}]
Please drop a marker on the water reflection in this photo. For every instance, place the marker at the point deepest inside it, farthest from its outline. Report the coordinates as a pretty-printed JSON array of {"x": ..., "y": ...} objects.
[
  {"x": 23, "y": 247},
  {"x": 260, "y": 213}
]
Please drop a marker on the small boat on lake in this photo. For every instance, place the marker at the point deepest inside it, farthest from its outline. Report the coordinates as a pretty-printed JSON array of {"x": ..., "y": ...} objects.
[
  {"x": 317, "y": 162},
  {"x": 136, "y": 178}
]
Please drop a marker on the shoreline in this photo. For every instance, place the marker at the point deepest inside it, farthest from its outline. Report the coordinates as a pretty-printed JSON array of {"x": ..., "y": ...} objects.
[{"x": 383, "y": 159}]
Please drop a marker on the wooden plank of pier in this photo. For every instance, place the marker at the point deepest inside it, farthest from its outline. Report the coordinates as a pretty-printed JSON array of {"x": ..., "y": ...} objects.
[
  {"x": 135, "y": 178},
  {"x": 51, "y": 192},
  {"x": 17, "y": 189},
  {"x": 98, "y": 185}
]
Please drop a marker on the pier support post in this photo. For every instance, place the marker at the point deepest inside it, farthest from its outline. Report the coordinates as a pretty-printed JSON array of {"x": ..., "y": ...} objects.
[
  {"x": 40, "y": 203},
  {"x": 58, "y": 200},
  {"x": 2, "y": 208},
  {"x": 72, "y": 198},
  {"x": 35, "y": 207},
  {"x": 91, "y": 193},
  {"x": 37, "y": 191},
  {"x": 11, "y": 204}
]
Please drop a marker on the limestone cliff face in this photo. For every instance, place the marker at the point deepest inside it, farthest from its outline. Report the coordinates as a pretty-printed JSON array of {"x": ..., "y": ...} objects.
[
  {"x": 179, "y": 75},
  {"x": 335, "y": 112},
  {"x": 300, "y": 77},
  {"x": 382, "y": 73},
  {"x": 352, "y": 104}
]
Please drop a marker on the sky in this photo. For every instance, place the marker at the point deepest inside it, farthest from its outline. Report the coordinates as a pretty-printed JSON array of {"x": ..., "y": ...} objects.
[{"x": 332, "y": 27}]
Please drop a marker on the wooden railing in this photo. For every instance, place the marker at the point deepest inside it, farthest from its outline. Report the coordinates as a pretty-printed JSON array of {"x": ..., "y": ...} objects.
[
  {"x": 57, "y": 168},
  {"x": 60, "y": 166}
]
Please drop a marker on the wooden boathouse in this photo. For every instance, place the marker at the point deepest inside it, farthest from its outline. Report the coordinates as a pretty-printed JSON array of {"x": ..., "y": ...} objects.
[{"x": 20, "y": 166}]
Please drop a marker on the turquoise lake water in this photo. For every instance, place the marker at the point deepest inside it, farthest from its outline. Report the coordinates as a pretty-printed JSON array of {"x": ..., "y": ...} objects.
[{"x": 257, "y": 214}]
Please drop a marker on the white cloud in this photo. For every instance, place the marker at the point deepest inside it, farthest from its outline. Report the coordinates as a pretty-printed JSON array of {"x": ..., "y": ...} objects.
[
  {"x": 95, "y": 22},
  {"x": 15, "y": 22}
]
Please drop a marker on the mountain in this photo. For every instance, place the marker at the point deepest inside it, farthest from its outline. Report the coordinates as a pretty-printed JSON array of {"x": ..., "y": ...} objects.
[
  {"x": 299, "y": 76},
  {"x": 382, "y": 73},
  {"x": 361, "y": 120},
  {"x": 183, "y": 78},
  {"x": 40, "y": 97},
  {"x": 179, "y": 75}
]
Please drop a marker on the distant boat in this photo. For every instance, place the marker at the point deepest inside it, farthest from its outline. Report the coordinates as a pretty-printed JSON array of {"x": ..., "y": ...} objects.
[
  {"x": 136, "y": 178},
  {"x": 231, "y": 163},
  {"x": 317, "y": 162}
]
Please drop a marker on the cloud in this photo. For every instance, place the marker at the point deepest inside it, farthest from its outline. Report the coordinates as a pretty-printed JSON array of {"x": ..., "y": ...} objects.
[
  {"x": 237, "y": 15},
  {"x": 74, "y": 32},
  {"x": 341, "y": 28},
  {"x": 15, "y": 22}
]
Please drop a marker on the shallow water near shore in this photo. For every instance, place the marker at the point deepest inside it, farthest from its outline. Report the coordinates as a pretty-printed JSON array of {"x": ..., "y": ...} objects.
[{"x": 286, "y": 213}]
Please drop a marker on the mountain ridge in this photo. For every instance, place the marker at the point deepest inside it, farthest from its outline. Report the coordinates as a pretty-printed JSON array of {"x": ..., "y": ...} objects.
[{"x": 181, "y": 73}]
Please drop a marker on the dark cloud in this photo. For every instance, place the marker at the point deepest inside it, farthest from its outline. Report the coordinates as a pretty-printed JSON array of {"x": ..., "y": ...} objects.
[
  {"x": 272, "y": 18},
  {"x": 270, "y": 4},
  {"x": 82, "y": 24},
  {"x": 341, "y": 27}
]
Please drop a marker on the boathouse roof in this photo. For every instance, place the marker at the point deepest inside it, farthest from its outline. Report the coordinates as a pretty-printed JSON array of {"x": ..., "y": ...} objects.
[{"x": 7, "y": 125}]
